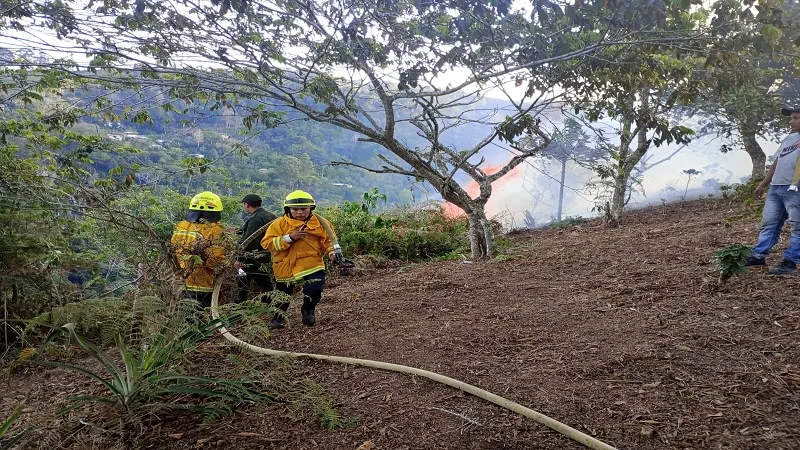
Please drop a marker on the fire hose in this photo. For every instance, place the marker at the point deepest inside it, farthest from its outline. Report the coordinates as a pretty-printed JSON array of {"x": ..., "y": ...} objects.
[{"x": 564, "y": 429}]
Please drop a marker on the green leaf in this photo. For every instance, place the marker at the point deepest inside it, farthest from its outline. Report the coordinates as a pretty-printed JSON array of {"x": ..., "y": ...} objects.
[
  {"x": 731, "y": 260},
  {"x": 6, "y": 425},
  {"x": 771, "y": 33},
  {"x": 7, "y": 441}
]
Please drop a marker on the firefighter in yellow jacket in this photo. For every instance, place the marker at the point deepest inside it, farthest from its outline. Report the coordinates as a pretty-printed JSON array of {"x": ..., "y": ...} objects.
[
  {"x": 198, "y": 246},
  {"x": 298, "y": 241}
]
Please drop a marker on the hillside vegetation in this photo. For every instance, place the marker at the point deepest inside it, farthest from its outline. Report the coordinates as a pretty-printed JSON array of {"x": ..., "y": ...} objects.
[
  {"x": 410, "y": 124},
  {"x": 625, "y": 334}
]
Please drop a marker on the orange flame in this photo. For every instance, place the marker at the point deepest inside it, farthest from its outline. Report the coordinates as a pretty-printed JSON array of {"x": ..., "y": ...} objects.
[
  {"x": 473, "y": 189},
  {"x": 452, "y": 211}
]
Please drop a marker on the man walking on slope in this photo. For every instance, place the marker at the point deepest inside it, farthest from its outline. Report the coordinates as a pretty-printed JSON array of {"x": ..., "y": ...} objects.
[
  {"x": 256, "y": 260},
  {"x": 782, "y": 203}
]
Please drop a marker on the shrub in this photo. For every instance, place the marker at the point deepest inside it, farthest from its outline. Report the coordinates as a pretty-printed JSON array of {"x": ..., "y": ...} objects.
[
  {"x": 730, "y": 260},
  {"x": 400, "y": 243},
  {"x": 745, "y": 191},
  {"x": 567, "y": 222},
  {"x": 100, "y": 319},
  {"x": 348, "y": 218},
  {"x": 402, "y": 233},
  {"x": 156, "y": 374},
  {"x": 144, "y": 380}
]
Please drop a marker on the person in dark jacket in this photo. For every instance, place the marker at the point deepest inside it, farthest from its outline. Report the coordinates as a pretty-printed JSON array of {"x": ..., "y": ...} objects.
[{"x": 255, "y": 262}]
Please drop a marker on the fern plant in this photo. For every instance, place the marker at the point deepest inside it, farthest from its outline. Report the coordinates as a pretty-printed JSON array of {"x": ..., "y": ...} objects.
[
  {"x": 149, "y": 379},
  {"x": 98, "y": 319},
  {"x": 313, "y": 399},
  {"x": 730, "y": 260},
  {"x": 254, "y": 328},
  {"x": 303, "y": 398}
]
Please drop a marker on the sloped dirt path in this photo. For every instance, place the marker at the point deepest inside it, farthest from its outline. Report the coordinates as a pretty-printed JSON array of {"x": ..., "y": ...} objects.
[{"x": 624, "y": 334}]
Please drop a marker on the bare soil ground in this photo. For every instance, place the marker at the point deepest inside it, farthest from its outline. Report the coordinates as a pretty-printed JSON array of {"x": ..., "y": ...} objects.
[{"x": 622, "y": 333}]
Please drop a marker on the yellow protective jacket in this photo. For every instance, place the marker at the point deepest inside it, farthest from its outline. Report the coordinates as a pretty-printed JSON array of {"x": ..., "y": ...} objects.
[
  {"x": 295, "y": 260},
  {"x": 203, "y": 240}
]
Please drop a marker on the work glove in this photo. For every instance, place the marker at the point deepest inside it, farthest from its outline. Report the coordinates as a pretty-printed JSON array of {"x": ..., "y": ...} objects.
[
  {"x": 338, "y": 257},
  {"x": 346, "y": 267}
]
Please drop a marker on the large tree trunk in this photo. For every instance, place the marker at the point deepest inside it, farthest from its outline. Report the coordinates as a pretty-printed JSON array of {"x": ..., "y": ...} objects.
[
  {"x": 613, "y": 209},
  {"x": 481, "y": 235},
  {"x": 622, "y": 187},
  {"x": 627, "y": 159},
  {"x": 757, "y": 156},
  {"x": 475, "y": 232},
  {"x": 561, "y": 189}
]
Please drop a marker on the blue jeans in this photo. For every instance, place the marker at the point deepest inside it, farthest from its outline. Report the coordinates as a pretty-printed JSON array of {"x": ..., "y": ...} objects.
[{"x": 779, "y": 206}]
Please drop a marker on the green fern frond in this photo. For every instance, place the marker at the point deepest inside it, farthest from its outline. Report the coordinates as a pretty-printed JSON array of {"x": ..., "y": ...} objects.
[
  {"x": 101, "y": 318},
  {"x": 214, "y": 411},
  {"x": 308, "y": 397},
  {"x": 83, "y": 314}
]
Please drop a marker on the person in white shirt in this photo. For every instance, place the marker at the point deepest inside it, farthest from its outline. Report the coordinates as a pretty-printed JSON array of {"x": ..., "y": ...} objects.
[{"x": 781, "y": 204}]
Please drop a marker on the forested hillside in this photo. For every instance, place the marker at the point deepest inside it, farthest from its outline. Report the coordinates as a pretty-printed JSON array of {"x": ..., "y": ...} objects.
[
  {"x": 167, "y": 150},
  {"x": 163, "y": 148}
]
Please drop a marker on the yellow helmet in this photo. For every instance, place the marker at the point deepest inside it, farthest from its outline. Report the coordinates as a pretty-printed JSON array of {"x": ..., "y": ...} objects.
[
  {"x": 206, "y": 201},
  {"x": 299, "y": 199}
]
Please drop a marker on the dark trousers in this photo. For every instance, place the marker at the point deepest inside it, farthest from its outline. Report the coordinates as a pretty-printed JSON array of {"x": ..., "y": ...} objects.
[
  {"x": 203, "y": 298},
  {"x": 255, "y": 278},
  {"x": 251, "y": 281},
  {"x": 312, "y": 290}
]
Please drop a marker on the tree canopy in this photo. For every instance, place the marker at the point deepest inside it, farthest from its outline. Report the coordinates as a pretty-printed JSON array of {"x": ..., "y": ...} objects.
[{"x": 424, "y": 65}]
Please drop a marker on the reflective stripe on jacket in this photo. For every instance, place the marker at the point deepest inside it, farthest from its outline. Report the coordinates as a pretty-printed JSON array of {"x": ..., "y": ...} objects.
[
  {"x": 199, "y": 250},
  {"x": 292, "y": 261}
]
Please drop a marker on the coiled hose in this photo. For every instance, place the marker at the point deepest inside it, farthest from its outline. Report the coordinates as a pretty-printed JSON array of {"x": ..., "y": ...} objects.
[{"x": 565, "y": 430}]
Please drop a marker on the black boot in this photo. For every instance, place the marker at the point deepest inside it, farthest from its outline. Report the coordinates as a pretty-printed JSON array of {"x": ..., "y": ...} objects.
[
  {"x": 312, "y": 294},
  {"x": 786, "y": 267},
  {"x": 753, "y": 261},
  {"x": 307, "y": 311},
  {"x": 279, "y": 319}
]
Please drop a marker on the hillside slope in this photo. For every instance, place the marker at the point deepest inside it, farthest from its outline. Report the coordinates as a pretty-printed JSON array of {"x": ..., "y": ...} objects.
[{"x": 624, "y": 334}]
